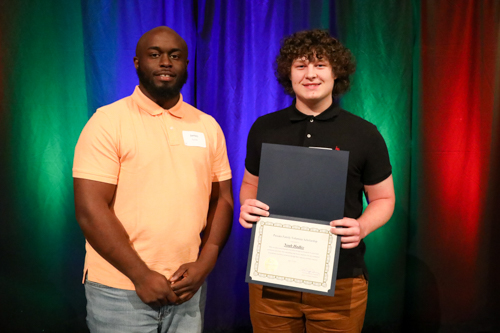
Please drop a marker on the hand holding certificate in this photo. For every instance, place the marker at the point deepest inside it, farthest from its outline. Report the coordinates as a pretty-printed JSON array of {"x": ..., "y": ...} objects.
[{"x": 294, "y": 248}]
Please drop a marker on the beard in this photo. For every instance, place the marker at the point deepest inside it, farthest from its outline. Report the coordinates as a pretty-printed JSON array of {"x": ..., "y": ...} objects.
[{"x": 162, "y": 92}]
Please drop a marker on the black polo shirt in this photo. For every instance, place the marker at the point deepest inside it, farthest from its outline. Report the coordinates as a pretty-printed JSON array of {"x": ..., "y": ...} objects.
[{"x": 337, "y": 129}]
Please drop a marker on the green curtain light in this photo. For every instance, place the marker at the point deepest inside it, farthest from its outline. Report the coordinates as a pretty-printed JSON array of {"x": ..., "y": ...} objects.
[{"x": 381, "y": 93}]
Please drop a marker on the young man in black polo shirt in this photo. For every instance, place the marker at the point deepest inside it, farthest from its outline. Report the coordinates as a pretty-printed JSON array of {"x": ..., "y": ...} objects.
[{"x": 314, "y": 67}]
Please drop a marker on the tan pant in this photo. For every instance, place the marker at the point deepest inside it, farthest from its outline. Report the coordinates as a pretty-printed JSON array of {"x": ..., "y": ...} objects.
[{"x": 279, "y": 310}]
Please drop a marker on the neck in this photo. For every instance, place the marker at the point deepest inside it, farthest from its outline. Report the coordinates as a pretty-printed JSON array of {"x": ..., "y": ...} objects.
[
  {"x": 166, "y": 103},
  {"x": 313, "y": 107}
]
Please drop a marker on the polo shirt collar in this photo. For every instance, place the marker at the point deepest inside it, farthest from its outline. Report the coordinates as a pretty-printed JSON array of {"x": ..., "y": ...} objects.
[
  {"x": 331, "y": 112},
  {"x": 146, "y": 104}
]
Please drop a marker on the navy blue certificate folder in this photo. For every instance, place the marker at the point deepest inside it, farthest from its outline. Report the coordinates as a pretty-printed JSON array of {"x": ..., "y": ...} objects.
[{"x": 304, "y": 184}]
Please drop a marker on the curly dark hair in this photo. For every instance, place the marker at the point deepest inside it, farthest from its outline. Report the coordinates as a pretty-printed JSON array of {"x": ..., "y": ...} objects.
[{"x": 313, "y": 44}]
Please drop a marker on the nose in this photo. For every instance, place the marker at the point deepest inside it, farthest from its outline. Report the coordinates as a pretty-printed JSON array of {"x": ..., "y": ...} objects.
[
  {"x": 311, "y": 71},
  {"x": 165, "y": 60}
]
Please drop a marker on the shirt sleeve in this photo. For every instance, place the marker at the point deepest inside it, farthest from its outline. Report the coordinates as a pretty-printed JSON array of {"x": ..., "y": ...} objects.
[
  {"x": 96, "y": 153},
  {"x": 254, "y": 147},
  {"x": 378, "y": 165},
  {"x": 221, "y": 169}
]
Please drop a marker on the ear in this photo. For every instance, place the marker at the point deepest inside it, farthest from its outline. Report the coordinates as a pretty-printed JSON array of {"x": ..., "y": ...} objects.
[{"x": 136, "y": 62}]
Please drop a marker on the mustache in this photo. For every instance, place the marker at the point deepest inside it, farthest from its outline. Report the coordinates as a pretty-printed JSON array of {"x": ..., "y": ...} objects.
[{"x": 163, "y": 92}]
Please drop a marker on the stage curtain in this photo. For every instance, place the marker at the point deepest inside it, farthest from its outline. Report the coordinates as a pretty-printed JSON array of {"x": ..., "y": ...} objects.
[
  {"x": 428, "y": 76},
  {"x": 453, "y": 234}
]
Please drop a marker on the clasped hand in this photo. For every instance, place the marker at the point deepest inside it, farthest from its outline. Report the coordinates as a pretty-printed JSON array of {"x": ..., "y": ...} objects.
[{"x": 155, "y": 290}]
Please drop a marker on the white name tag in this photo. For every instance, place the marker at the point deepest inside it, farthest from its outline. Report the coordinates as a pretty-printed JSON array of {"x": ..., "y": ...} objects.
[{"x": 194, "y": 139}]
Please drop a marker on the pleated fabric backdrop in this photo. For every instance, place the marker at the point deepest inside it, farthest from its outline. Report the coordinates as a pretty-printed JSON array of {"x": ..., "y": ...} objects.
[{"x": 428, "y": 76}]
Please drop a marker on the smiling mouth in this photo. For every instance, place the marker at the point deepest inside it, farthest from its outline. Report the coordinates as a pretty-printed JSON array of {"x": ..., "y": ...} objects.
[
  {"x": 312, "y": 85},
  {"x": 165, "y": 77}
]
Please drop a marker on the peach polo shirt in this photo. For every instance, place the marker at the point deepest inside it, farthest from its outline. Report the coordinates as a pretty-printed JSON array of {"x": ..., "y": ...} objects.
[{"x": 163, "y": 163}]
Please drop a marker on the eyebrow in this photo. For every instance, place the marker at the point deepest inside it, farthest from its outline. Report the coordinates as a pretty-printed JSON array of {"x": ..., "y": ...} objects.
[
  {"x": 157, "y": 48},
  {"x": 323, "y": 59}
]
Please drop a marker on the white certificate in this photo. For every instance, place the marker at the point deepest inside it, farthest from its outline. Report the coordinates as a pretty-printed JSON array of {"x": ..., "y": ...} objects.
[{"x": 294, "y": 255}]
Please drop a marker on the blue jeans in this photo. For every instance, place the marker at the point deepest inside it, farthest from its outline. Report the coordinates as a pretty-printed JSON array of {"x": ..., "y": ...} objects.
[{"x": 111, "y": 310}]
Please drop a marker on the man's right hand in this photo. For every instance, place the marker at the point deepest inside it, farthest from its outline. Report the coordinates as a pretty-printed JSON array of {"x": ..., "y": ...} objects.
[
  {"x": 251, "y": 211},
  {"x": 154, "y": 289}
]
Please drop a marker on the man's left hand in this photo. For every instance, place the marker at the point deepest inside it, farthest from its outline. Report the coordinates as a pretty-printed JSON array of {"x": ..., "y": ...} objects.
[
  {"x": 188, "y": 279},
  {"x": 351, "y": 232}
]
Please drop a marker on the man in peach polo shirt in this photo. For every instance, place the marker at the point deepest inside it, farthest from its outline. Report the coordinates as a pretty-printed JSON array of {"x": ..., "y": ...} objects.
[{"x": 151, "y": 174}]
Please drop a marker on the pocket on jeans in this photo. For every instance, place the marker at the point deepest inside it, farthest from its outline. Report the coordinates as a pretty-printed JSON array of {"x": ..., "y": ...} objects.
[
  {"x": 360, "y": 280},
  {"x": 96, "y": 284}
]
